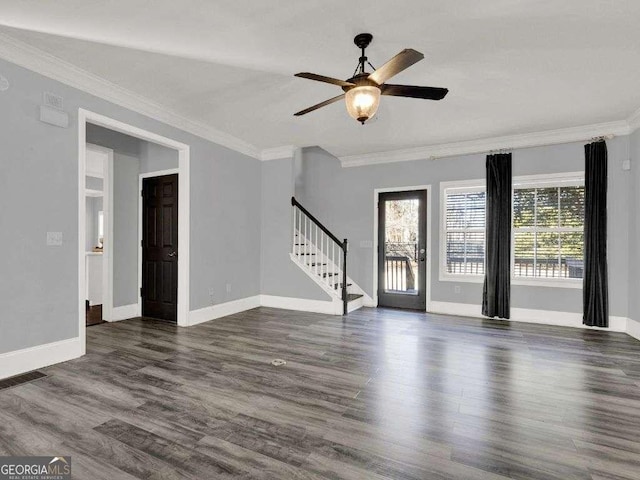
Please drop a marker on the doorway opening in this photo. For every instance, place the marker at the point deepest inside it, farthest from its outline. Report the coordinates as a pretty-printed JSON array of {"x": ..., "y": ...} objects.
[
  {"x": 98, "y": 163},
  {"x": 111, "y": 312},
  {"x": 402, "y": 249}
]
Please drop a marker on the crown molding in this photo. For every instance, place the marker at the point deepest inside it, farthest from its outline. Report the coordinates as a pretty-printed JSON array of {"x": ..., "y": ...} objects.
[
  {"x": 528, "y": 140},
  {"x": 634, "y": 121},
  {"x": 285, "y": 151},
  {"x": 34, "y": 59}
]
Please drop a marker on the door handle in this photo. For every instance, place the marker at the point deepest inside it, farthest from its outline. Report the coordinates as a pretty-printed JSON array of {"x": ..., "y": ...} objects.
[
  {"x": 173, "y": 254},
  {"x": 422, "y": 256}
]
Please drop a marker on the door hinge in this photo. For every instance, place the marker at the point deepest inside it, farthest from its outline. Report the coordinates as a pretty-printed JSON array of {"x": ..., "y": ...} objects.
[{"x": 141, "y": 291}]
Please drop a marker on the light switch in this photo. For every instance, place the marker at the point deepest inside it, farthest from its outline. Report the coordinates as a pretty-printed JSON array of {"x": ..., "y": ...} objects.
[{"x": 54, "y": 239}]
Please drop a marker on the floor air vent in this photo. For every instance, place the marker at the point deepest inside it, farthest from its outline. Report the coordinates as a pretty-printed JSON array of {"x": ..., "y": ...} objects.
[{"x": 20, "y": 379}]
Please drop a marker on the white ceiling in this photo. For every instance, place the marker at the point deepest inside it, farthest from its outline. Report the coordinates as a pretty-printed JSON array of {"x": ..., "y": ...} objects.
[{"x": 512, "y": 66}]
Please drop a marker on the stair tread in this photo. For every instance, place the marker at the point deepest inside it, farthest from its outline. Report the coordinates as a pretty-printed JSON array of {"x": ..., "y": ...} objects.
[
  {"x": 353, "y": 296},
  {"x": 336, "y": 285}
]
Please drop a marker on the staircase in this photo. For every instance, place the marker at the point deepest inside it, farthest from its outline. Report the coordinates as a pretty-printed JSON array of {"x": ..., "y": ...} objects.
[{"x": 323, "y": 257}]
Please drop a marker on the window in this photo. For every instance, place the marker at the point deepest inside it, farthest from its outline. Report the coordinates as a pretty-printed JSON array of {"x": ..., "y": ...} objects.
[
  {"x": 548, "y": 224},
  {"x": 548, "y": 230},
  {"x": 463, "y": 230}
]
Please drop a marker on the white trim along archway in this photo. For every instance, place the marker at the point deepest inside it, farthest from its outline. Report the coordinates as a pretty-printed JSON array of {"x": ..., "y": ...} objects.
[{"x": 84, "y": 117}]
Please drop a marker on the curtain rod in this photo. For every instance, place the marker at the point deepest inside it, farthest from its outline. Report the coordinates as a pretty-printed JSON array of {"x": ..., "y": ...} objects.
[
  {"x": 602, "y": 138},
  {"x": 511, "y": 149},
  {"x": 592, "y": 139}
]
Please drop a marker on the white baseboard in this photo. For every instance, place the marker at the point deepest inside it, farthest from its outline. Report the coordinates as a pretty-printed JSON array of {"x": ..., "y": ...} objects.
[
  {"x": 33, "y": 358},
  {"x": 124, "y": 312},
  {"x": 633, "y": 328},
  {"x": 223, "y": 309},
  {"x": 545, "y": 317},
  {"x": 301, "y": 304}
]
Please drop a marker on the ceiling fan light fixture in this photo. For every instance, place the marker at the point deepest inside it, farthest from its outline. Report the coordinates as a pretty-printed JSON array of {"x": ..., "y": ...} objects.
[{"x": 362, "y": 102}]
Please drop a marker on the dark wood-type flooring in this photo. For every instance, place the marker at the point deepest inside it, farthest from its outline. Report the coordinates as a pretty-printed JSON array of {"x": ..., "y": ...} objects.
[
  {"x": 94, "y": 315},
  {"x": 380, "y": 394}
]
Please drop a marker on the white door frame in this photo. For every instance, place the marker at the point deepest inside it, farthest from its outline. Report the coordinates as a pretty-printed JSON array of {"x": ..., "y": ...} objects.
[
  {"x": 141, "y": 177},
  {"x": 86, "y": 116},
  {"x": 376, "y": 199}
]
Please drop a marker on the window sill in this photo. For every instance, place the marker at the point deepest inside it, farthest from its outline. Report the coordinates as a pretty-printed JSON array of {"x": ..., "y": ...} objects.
[
  {"x": 529, "y": 282},
  {"x": 546, "y": 282},
  {"x": 462, "y": 278}
]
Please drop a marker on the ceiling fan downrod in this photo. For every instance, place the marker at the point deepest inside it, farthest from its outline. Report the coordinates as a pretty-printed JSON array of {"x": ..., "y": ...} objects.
[{"x": 362, "y": 41}]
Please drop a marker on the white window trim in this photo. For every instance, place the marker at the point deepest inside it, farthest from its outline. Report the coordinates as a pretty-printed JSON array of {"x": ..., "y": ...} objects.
[
  {"x": 524, "y": 181},
  {"x": 569, "y": 179},
  {"x": 462, "y": 186}
]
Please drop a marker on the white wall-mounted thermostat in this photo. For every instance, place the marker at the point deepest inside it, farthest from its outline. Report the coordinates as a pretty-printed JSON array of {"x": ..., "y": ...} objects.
[{"x": 4, "y": 83}]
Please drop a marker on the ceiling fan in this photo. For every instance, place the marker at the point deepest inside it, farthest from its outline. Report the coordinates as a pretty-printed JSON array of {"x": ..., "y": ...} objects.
[{"x": 362, "y": 91}]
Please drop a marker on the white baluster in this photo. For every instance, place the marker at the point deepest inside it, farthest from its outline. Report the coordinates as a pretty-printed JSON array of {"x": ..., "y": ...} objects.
[
  {"x": 316, "y": 249},
  {"x": 299, "y": 231},
  {"x": 293, "y": 233},
  {"x": 333, "y": 258}
]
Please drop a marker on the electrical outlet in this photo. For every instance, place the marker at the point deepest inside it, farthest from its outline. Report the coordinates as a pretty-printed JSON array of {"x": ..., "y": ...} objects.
[
  {"x": 228, "y": 288},
  {"x": 211, "y": 295},
  {"x": 457, "y": 289}
]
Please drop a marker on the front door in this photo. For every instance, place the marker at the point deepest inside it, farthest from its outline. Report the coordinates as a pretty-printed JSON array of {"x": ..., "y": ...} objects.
[
  {"x": 160, "y": 247},
  {"x": 402, "y": 264}
]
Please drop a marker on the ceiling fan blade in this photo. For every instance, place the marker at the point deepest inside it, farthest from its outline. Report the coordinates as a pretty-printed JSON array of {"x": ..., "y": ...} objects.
[
  {"x": 428, "y": 93},
  {"x": 397, "y": 64},
  {"x": 322, "y": 78},
  {"x": 319, "y": 105}
]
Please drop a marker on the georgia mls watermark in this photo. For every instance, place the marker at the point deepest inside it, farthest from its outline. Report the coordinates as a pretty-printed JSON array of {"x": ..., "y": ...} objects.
[{"x": 35, "y": 468}]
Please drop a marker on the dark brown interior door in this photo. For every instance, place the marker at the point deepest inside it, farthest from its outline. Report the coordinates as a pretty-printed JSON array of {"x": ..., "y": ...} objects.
[
  {"x": 160, "y": 247},
  {"x": 402, "y": 265}
]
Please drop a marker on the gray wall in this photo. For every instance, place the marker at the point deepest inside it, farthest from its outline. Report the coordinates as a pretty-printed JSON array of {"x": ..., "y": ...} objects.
[
  {"x": 343, "y": 199},
  {"x": 154, "y": 157},
  {"x": 225, "y": 200},
  {"x": 633, "y": 209},
  {"x": 125, "y": 229},
  {"x": 278, "y": 274}
]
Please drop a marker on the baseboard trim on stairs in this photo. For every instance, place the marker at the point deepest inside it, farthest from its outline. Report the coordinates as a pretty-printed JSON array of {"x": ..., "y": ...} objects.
[
  {"x": 545, "y": 317},
  {"x": 33, "y": 358},
  {"x": 124, "y": 312},
  {"x": 223, "y": 309},
  {"x": 633, "y": 328}
]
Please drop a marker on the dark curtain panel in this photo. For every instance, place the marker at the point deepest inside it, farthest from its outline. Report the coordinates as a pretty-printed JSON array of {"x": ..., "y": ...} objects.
[
  {"x": 496, "y": 292},
  {"x": 595, "y": 285}
]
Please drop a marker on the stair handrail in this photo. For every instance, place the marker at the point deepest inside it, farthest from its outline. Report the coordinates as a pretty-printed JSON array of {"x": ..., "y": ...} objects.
[{"x": 343, "y": 245}]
